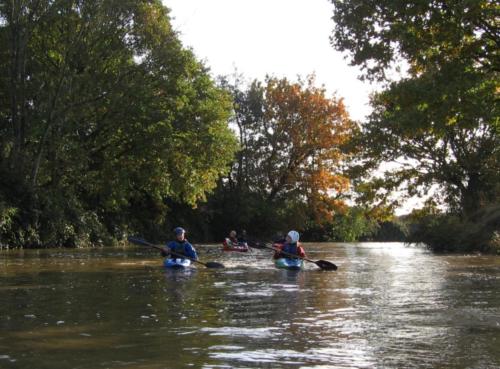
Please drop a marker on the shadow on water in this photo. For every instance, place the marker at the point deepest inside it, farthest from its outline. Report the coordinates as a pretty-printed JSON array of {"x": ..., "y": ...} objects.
[{"x": 388, "y": 305}]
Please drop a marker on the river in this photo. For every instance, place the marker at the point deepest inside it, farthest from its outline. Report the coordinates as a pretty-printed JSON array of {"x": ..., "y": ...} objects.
[{"x": 388, "y": 305}]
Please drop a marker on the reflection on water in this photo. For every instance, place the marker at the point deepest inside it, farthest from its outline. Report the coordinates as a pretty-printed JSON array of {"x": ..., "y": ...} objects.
[{"x": 388, "y": 306}]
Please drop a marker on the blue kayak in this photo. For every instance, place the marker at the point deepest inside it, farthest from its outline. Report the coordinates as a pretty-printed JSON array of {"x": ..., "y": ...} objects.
[
  {"x": 288, "y": 263},
  {"x": 177, "y": 263}
]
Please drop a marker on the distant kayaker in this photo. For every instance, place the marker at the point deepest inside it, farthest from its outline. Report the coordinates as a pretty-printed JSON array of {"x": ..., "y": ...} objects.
[
  {"x": 243, "y": 237},
  {"x": 245, "y": 240},
  {"x": 233, "y": 237},
  {"x": 180, "y": 246},
  {"x": 290, "y": 246}
]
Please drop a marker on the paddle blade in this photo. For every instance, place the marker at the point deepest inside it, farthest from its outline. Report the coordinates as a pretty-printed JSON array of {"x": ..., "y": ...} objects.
[
  {"x": 213, "y": 264},
  {"x": 325, "y": 265}
]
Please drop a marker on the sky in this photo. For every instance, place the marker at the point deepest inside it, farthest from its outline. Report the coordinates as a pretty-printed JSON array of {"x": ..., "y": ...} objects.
[{"x": 282, "y": 38}]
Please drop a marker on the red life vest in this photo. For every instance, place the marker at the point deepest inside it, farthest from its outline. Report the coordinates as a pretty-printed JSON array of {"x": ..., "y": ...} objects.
[{"x": 294, "y": 249}]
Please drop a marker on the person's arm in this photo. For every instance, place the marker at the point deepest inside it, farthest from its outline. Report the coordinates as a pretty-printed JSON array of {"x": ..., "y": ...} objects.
[
  {"x": 277, "y": 254},
  {"x": 301, "y": 252},
  {"x": 166, "y": 250},
  {"x": 190, "y": 251}
]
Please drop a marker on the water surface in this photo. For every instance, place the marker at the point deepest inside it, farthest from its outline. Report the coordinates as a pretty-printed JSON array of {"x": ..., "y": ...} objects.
[{"x": 388, "y": 306}]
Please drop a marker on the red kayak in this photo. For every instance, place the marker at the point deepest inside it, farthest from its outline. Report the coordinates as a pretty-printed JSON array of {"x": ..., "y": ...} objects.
[{"x": 228, "y": 245}]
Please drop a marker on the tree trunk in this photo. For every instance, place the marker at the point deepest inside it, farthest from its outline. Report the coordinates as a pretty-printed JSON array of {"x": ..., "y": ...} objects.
[{"x": 471, "y": 196}]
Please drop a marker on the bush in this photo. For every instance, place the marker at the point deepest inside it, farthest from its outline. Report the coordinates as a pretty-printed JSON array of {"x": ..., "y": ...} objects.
[
  {"x": 452, "y": 233},
  {"x": 353, "y": 226},
  {"x": 392, "y": 231}
]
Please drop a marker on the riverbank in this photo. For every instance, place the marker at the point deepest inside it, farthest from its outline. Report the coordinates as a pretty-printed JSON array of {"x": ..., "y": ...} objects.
[{"x": 450, "y": 233}]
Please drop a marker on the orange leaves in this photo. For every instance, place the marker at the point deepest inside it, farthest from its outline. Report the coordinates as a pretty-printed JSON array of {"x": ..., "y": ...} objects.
[{"x": 306, "y": 131}]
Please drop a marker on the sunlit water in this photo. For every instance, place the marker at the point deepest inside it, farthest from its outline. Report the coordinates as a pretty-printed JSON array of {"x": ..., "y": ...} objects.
[{"x": 387, "y": 306}]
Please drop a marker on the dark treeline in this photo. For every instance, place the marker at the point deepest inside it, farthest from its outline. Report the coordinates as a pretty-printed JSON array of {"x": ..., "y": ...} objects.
[{"x": 110, "y": 127}]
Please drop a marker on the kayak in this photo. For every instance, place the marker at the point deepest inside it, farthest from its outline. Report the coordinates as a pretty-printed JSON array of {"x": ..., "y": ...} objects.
[
  {"x": 236, "y": 248},
  {"x": 288, "y": 263},
  {"x": 227, "y": 245},
  {"x": 177, "y": 263}
]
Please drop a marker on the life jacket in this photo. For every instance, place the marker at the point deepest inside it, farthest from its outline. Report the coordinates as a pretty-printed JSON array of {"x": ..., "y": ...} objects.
[
  {"x": 178, "y": 248},
  {"x": 291, "y": 248}
]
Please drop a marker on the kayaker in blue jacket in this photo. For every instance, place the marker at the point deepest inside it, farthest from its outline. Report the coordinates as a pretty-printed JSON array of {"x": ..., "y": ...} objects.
[
  {"x": 290, "y": 246},
  {"x": 243, "y": 237},
  {"x": 180, "y": 246}
]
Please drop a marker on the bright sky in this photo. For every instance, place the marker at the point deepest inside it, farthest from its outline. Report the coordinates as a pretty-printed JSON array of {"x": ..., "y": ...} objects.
[{"x": 283, "y": 38}]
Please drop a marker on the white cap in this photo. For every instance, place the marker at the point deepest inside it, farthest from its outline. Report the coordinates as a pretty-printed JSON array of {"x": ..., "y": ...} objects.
[{"x": 294, "y": 235}]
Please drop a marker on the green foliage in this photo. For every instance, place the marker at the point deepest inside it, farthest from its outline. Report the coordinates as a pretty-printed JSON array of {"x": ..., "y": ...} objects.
[
  {"x": 353, "y": 225},
  {"x": 451, "y": 233},
  {"x": 425, "y": 34},
  {"x": 7, "y": 219},
  {"x": 441, "y": 122},
  {"x": 102, "y": 109},
  {"x": 392, "y": 231}
]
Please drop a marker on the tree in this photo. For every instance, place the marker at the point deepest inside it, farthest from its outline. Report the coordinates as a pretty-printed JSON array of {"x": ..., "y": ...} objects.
[
  {"x": 292, "y": 152},
  {"x": 103, "y": 110},
  {"x": 441, "y": 121},
  {"x": 353, "y": 225}
]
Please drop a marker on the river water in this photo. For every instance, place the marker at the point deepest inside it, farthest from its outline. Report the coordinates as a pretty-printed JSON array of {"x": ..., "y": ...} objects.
[{"x": 387, "y": 306}]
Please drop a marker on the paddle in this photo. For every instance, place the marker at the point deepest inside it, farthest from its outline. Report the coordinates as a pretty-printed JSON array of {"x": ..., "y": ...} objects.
[
  {"x": 323, "y": 264},
  {"x": 140, "y": 241}
]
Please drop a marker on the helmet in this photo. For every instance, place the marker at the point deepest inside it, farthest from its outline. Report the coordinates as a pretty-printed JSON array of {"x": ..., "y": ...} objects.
[
  {"x": 179, "y": 230},
  {"x": 294, "y": 235}
]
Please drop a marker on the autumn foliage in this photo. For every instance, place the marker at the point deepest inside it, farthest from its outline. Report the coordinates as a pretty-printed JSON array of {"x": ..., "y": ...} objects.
[
  {"x": 292, "y": 138},
  {"x": 308, "y": 130}
]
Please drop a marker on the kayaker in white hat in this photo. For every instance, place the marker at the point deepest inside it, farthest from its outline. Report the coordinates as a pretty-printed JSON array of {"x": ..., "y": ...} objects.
[{"x": 290, "y": 246}]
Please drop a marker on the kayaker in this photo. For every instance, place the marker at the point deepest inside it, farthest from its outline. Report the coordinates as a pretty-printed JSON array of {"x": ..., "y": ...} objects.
[
  {"x": 242, "y": 241},
  {"x": 290, "y": 246},
  {"x": 243, "y": 238},
  {"x": 233, "y": 237},
  {"x": 180, "y": 246}
]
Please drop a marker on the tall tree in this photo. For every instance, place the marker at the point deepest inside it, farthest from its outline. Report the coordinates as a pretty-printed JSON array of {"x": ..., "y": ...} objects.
[
  {"x": 102, "y": 109},
  {"x": 442, "y": 120},
  {"x": 292, "y": 153}
]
